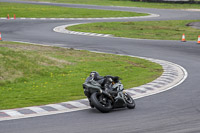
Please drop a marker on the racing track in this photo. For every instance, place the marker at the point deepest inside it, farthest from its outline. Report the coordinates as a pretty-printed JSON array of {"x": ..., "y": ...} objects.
[{"x": 174, "y": 111}]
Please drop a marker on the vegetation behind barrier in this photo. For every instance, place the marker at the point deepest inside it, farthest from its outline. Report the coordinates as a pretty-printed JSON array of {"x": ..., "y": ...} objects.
[
  {"x": 129, "y": 3},
  {"x": 170, "y": 1}
]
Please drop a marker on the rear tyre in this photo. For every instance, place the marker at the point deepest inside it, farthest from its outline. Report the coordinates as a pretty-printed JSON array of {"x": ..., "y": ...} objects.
[
  {"x": 92, "y": 106},
  {"x": 101, "y": 102},
  {"x": 129, "y": 100}
]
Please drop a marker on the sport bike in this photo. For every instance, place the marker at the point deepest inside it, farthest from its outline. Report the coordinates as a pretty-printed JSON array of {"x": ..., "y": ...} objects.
[{"x": 106, "y": 100}]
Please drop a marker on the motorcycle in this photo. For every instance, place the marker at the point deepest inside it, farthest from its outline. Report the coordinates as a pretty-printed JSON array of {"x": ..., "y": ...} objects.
[{"x": 106, "y": 100}]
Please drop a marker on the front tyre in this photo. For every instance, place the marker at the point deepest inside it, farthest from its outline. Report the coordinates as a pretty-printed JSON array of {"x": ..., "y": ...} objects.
[
  {"x": 129, "y": 100},
  {"x": 101, "y": 102}
]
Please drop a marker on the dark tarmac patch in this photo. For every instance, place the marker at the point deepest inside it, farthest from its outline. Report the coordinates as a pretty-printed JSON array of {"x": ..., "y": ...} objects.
[{"x": 194, "y": 25}]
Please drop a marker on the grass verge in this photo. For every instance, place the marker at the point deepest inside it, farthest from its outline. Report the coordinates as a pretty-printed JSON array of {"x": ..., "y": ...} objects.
[
  {"x": 128, "y": 3},
  {"x": 41, "y": 11},
  {"x": 36, "y": 75},
  {"x": 161, "y": 30}
]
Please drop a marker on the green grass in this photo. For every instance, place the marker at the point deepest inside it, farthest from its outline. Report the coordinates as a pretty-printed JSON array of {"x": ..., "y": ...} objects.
[
  {"x": 40, "y": 11},
  {"x": 36, "y": 75},
  {"x": 161, "y": 30},
  {"x": 128, "y": 3}
]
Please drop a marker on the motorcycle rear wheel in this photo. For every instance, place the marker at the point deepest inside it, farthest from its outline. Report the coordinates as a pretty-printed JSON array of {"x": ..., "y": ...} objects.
[{"x": 101, "y": 102}]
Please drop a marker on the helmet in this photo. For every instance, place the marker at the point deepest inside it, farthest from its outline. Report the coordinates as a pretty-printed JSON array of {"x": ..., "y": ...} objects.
[{"x": 116, "y": 79}]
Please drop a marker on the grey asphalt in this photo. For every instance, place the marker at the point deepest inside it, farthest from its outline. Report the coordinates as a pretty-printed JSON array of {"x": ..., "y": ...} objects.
[{"x": 174, "y": 111}]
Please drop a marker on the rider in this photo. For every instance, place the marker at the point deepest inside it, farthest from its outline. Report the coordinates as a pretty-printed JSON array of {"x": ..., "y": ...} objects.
[
  {"x": 109, "y": 81},
  {"x": 106, "y": 82}
]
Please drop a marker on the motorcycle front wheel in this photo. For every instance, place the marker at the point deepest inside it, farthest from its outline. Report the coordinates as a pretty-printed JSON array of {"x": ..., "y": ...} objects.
[
  {"x": 101, "y": 102},
  {"x": 129, "y": 100}
]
